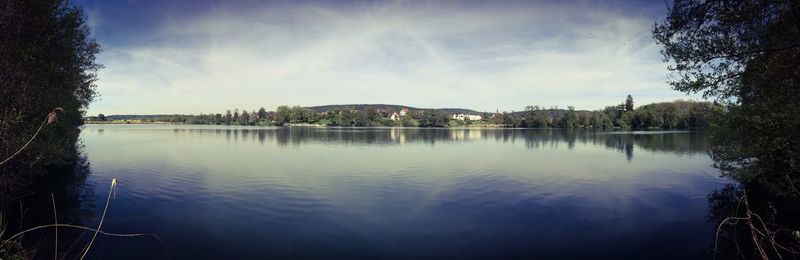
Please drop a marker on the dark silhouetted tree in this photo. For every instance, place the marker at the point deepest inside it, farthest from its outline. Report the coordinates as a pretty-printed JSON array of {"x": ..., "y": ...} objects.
[
  {"x": 629, "y": 103},
  {"x": 47, "y": 60},
  {"x": 245, "y": 118},
  {"x": 262, "y": 114},
  {"x": 228, "y": 117},
  {"x": 746, "y": 54}
]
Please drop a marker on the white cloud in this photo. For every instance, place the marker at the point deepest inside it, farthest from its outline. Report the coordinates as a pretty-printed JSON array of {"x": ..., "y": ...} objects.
[{"x": 415, "y": 54}]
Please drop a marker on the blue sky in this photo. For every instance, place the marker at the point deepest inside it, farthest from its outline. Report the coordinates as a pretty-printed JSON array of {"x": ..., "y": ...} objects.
[{"x": 196, "y": 57}]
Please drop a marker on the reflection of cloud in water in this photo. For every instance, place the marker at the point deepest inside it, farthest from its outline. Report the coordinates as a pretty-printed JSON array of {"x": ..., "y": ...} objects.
[{"x": 410, "y": 192}]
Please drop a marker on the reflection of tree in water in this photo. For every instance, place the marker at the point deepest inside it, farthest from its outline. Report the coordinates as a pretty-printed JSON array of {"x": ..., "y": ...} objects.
[
  {"x": 629, "y": 151},
  {"x": 670, "y": 142},
  {"x": 625, "y": 142},
  {"x": 75, "y": 204},
  {"x": 683, "y": 143}
]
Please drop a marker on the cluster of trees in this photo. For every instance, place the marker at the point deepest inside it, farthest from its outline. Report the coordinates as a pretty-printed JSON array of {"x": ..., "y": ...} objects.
[
  {"x": 667, "y": 115},
  {"x": 746, "y": 54},
  {"x": 302, "y": 115},
  {"x": 235, "y": 117},
  {"x": 340, "y": 117},
  {"x": 47, "y": 61},
  {"x": 553, "y": 117}
]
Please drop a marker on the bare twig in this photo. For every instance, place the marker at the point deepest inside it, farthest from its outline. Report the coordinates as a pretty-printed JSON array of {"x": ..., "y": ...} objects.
[
  {"x": 78, "y": 227},
  {"x": 56, "y": 226},
  {"x": 716, "y": 240},
  {"x": 51, "y": 118},
  {"x": 55, "y": 221},
  {"x": 103, "y": 217},
  {"x": 759, "y": 232}
]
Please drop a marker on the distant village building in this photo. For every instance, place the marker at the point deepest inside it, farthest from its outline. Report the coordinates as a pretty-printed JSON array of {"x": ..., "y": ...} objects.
[
  {"x": 396, "y": 117},
  {"x": 463, "y": 117}
]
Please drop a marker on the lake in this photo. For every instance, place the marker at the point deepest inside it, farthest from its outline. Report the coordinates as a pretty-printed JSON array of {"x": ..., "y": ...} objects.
[{"x": 211, "y": 192}]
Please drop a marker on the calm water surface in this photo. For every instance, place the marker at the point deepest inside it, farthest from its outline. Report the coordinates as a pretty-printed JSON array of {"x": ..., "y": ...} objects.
[{"x": 252, "y": 193}]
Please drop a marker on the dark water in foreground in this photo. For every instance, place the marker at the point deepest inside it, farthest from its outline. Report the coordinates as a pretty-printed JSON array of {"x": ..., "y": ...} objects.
[{"x": 255, "y": 193}]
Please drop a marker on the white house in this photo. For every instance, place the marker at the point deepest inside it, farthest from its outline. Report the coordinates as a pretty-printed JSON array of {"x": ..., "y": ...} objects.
[
  {"x": 463, "y": 117},
  {"x": 396, "y": 117}
]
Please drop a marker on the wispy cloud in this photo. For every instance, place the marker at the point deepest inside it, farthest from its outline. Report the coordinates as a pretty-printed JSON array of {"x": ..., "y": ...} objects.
[{"x": 425, "y": 54}]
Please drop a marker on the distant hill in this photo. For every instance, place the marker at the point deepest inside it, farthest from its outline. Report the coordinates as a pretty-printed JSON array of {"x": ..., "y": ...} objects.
[
  {"x": 320, "y": 109},
  {"x": 387, "y": 107},
  {"x": 136, "y": 117},
  {"x": 559, "y": 112}
]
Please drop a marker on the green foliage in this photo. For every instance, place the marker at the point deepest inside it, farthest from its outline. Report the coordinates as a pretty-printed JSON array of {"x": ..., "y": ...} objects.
[
  {"x": 262, "y": 113},
  {"x": 47, "y": 60},
  {"x": 456, "y": 123},
  {"x": 408, "y": 121},
  {"x": 714, "y": 43},
  {"x": 430, "y": 118},
  {"x": 299, "y": 115},
  {"x": 745, "y": 53},
  {"x": 13, "y": 250},
  {"x": 245, "y": 118},
  {"x": 672, "y": 115},
  {"x": 228, "y": 117},
  {"x": 282, "y": 115},
  {"x": 669, "y": 115}
]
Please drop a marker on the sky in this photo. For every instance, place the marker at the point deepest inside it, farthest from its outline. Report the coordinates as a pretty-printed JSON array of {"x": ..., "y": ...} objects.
[{"x": 192, "y": 57}]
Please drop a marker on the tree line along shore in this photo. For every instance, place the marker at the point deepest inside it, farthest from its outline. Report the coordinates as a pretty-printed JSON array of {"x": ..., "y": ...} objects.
[{"x": 677, "y": 114}]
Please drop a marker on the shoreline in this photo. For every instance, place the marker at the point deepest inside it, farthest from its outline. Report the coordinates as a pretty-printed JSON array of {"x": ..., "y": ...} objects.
[{"x": 405, "y": 127}]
